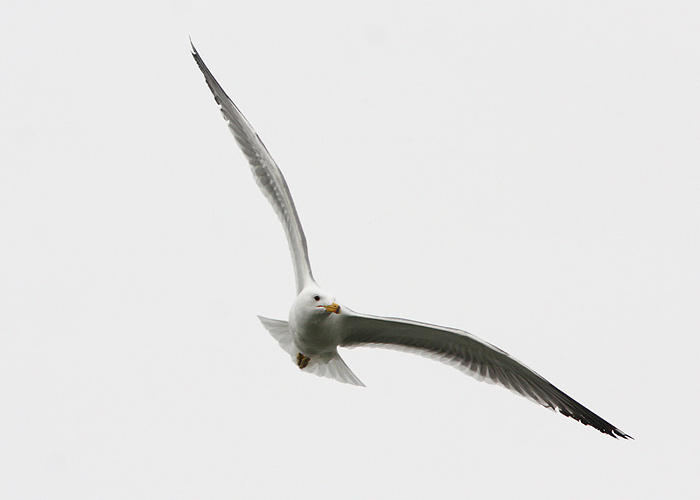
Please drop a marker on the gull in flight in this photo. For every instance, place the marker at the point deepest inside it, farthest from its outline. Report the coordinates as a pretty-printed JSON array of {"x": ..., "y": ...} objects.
[{"x": 318, "y": 325}]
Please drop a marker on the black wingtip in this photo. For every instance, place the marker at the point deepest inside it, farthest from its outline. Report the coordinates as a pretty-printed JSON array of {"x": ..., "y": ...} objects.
[{"x": 617, "y": 434}]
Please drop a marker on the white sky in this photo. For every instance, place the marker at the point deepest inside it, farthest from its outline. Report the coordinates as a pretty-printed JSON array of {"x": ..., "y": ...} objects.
[{"x": 527, "y": 171}]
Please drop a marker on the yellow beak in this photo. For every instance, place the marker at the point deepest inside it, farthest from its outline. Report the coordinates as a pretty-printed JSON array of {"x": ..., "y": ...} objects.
[{"x": 333, "y": 308}]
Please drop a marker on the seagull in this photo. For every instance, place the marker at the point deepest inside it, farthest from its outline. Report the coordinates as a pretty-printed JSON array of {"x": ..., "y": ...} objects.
[{"x": 318, "y": 324}]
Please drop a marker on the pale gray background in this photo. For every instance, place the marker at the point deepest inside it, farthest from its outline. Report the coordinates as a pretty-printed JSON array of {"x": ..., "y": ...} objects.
[{"x": 527, "y": 171}]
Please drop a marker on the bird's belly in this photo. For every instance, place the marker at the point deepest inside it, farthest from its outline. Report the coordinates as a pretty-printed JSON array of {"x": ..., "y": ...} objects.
[{"x": 315, "y": 339}]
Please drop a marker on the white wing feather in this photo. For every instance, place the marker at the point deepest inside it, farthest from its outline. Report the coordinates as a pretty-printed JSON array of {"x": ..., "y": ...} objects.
[
  {"x": 469, "y": 354},
  {"x": 267, "y": 175}
]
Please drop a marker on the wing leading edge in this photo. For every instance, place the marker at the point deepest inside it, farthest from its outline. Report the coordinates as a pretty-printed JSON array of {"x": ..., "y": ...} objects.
[
  {"x": 471, "y": 355},
  {"x": 267, "y": 175}
]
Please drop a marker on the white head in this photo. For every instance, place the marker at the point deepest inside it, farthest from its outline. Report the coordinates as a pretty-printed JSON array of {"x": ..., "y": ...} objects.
[
  {"x": 313, "y": 304},
  {"x": 320, "y": 300}
]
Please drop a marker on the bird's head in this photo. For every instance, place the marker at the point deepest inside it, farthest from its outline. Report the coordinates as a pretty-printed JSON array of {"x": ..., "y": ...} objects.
[{"x": 318, "y": 300}]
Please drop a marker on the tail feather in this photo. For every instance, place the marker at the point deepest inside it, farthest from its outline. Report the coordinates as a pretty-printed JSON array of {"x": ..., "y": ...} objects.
[
  {"x": 329, "y": 366},
  {"x": 280, "y": 331},
  {"x": 333, "y": 367}
]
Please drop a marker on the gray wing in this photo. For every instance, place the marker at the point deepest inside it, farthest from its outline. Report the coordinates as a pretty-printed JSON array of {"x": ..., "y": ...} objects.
[
  {"x": 469, "y": 354},
  {"x": 267, "y": 175}
]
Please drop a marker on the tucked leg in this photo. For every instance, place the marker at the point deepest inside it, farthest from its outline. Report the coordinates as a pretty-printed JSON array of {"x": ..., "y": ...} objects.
[{"x": 302, "y": 361}]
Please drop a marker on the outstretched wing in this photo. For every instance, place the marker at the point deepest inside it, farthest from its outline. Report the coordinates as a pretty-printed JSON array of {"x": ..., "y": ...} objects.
[
  {"x": 469, "y": 354},
  {"x": 267, "y": 174}
]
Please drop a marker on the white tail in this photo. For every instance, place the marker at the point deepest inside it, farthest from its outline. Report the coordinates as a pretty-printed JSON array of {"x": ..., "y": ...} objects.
[{"x": 329, "y": 365}]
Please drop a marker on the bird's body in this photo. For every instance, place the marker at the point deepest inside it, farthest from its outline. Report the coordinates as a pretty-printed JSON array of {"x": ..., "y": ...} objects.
[{"x": 318, "y": 325}]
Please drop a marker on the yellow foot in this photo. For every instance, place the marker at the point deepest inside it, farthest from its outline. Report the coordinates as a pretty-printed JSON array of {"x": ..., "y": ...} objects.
[{"x": 302, "y": 361}]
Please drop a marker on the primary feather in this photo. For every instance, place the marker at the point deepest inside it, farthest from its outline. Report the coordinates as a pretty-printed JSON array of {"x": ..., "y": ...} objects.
[{"x": 267, "y": 175}]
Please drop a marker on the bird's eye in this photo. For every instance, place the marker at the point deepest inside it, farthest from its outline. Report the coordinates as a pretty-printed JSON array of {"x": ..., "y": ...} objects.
[{"x": 317, "y": 298}]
